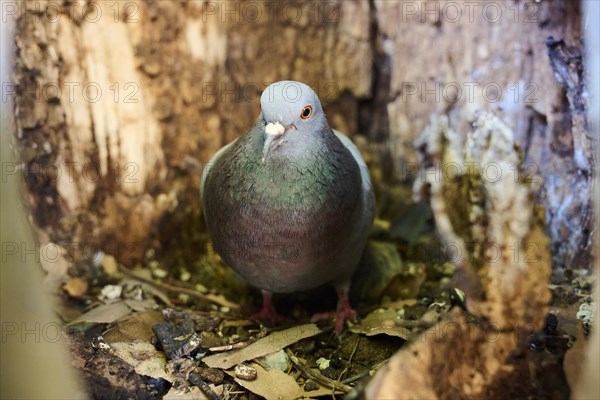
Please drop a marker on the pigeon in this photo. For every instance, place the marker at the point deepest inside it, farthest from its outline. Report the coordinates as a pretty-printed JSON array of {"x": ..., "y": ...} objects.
[{"x": 289, "y": 204}]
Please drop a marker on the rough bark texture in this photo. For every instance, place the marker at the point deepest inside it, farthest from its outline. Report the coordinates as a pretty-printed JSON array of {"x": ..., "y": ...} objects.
[
  {"x": 115, "y": 100},
  {"x": 434, "y": 367},
  {"x": 587, "y": 384},
  {"x": 494, "y": 237},
  {"x": 36, "y": 364},
  {"x": 501, "y": 255},
  {"x": 494, "y": 57},
  {"x": 108, "y": 376}
]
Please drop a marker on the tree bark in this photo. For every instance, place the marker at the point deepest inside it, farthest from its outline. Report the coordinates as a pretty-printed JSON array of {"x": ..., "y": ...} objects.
[
  {"x": 437, "y": 57},
  {"x": 115, "y": 101}
]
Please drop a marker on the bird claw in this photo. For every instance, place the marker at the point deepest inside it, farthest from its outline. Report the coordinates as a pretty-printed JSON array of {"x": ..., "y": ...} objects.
[
  {"x": 267, "y": 311},
  {"x": 340, "y": 317},
  {"x": 344, "y": 312},
  {"x": 269, "y": 314}
]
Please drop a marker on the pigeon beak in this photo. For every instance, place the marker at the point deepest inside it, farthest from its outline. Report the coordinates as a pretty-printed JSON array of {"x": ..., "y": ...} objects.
[{"x": 273, "y": 131}]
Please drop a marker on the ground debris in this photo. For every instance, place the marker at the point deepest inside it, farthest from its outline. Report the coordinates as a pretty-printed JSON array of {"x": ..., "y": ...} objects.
[
  {"x": 492, "y": 232},
  {"x": 144, "y": 358},
  {"x": 383, "y": 321},
  {"x": 212, "y": 375},
  {"x": 267, "y": 345},
  {"x": 177, "y": 339},
  {"x": 245, "y": 372}
]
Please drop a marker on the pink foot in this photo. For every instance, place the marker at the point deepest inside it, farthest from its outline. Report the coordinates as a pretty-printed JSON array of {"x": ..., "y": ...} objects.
[
  {"x": 344, "y": 312},
  {"x": 267, "y": 311}
]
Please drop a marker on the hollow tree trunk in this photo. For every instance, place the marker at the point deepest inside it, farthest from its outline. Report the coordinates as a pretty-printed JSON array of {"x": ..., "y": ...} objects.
[
  {"x": 443, "y": 58},
  {"x": 115, "y": 99}
]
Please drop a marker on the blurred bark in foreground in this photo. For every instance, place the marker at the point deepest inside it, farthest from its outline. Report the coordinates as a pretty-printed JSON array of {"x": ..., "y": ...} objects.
[
  {"x": 35, "y": 362},
  {"x": 588, "y": 385}
]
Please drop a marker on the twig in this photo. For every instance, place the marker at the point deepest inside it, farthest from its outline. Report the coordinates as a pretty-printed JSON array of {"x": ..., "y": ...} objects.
[
  {"x": 356, "y": 377},
  {"x": 203, "y": 386},
  {"x": 317, "y": 376},
  {"x": 219, "y": 300},
  {"x": 349, "y": 359},
  {"x": 238, "y": 345},
  {"x": 228, "y": 347},
  {"x": 360, "y": 376}
]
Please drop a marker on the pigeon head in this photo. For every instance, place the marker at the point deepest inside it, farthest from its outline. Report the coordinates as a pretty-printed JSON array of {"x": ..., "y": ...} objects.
[{"x": 293, "y": 117}]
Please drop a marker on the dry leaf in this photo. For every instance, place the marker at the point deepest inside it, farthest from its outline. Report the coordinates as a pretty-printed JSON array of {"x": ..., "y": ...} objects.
[
  {"x": 136, "y": 326},
  {"x": 194, "y": 394},
  {"x": 267, "y": 345},
  {"x": 148, "y": 289},
  {"x": 144, "y": 358},
  {"x": 75, "y": 287},
  {"x": 141, "y": 305},
  {"x": 382, "y": 322},
  {"x": 276, "y": 384},
  {"x": 105, "y": 313},
  {"x": 109, "y": 264}
]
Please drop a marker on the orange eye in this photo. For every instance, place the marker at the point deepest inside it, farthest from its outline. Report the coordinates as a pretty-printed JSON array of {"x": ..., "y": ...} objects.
[{"x": 306, "y": 112}]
